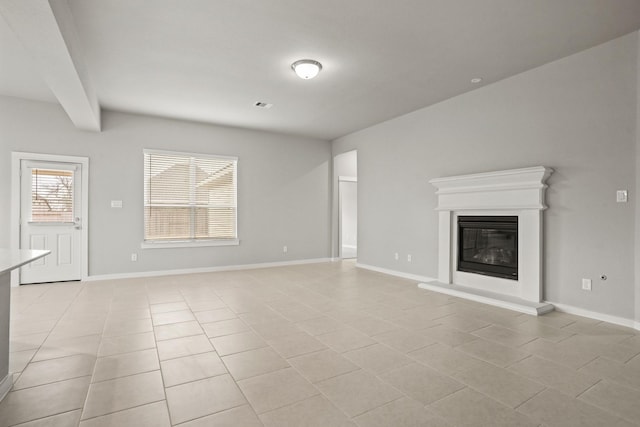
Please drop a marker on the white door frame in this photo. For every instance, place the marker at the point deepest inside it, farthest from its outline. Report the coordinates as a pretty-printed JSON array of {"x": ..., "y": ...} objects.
[
  {"x": 342, "y": 179},
  {"x": 16, "y": 158}
]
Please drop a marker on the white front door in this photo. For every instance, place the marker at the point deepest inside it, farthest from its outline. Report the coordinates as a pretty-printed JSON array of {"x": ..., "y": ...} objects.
[{"x": 50, "y": 218}]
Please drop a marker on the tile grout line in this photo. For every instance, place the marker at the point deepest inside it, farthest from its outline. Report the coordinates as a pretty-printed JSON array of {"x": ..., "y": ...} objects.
[
  {"x": 49, "y": 332},
  {"x": 515, "y": 408},
  {"x": 606, "y": 410},
  {"x": 246, "y": 401},
  {"x": 164, "y": 388},
  {"x": 587, "y": 389},
  {"x": 95, "y": 366},
  {"x": 80, "y": 289},
  {"x": 297, "y": 372},
  {"x": 48, "y": 416},
  {"x": 82, "y": 420}
]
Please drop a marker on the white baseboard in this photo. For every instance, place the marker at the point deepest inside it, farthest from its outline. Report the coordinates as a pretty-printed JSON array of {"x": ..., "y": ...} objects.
[
  {"x": 156, "y": 273},
  {"x": 569, "y": 309},
  {"x": 396, "y": 273},
  {"x": 5, "y": 385}
]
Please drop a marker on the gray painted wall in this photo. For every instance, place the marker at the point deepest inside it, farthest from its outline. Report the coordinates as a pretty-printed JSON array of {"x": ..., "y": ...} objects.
[
  {"x": 576, "y": 115},
  {"x": 634, "y": 197},
  {"x": 283, "y": 185}
]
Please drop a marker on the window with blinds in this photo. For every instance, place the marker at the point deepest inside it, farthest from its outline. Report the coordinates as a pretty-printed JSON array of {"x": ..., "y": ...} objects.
[
  {"x": 189, "y": 197},
  {"x": 51, "y": 195}
]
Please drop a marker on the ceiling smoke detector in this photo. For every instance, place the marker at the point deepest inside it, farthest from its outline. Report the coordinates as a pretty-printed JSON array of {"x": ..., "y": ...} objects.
[
  {"x": 476, "y": 80},
  {"x": 306, "y": 68}
]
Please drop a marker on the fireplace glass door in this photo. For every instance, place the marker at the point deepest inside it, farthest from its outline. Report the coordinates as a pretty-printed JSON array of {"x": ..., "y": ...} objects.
[{"x": 488, "y": 245}]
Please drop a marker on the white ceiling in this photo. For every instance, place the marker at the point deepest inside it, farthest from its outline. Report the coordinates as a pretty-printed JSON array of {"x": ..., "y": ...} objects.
[{"x": 211, "y": 60}]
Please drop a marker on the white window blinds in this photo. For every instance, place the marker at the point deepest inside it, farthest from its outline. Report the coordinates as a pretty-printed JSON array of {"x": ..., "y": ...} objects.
[{"x": 189, "y": 197}]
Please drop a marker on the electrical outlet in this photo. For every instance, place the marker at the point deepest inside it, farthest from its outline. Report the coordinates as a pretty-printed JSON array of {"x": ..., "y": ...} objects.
[
  {"x": 397, "y": 256},
  {"x": 285, "y": 249},
  {"x": 134, "y": 257},
  {"x": 409, "y": 258},
  {"x": 586, "y": 284}
]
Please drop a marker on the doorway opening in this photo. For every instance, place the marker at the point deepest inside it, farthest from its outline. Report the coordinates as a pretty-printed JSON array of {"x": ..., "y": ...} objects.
[
  {"x": 348, "y": 201},
  {"x": 346, "y": 188}
]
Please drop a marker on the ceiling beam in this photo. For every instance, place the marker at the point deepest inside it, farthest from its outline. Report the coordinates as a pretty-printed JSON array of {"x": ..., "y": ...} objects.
[{"x": 47, "y": 31}]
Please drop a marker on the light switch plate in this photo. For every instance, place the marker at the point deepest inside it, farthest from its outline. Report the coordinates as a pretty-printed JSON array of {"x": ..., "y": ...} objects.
[
  {"x": 116, "y": 203},
  {"x": 621, "y": 196}
]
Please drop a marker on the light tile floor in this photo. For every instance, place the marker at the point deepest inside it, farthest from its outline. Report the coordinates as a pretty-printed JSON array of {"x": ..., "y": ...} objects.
[{"x": 310, "y": 345}]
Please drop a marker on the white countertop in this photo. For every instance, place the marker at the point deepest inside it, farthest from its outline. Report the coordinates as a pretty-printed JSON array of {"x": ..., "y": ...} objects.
[{"x": 11, "y": 259}]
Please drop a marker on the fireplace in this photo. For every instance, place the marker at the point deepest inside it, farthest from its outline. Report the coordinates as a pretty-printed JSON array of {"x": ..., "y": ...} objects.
[
  {"x": 491, "y": 223},
  {"x": 488, "y": 245}
]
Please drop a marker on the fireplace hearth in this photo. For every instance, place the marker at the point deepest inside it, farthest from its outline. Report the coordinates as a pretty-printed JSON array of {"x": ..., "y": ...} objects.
[{"x": 488, "y": 245}]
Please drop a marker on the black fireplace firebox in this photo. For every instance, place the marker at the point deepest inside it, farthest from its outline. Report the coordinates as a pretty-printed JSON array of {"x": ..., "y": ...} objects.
[{"x": 488, "y": 245}]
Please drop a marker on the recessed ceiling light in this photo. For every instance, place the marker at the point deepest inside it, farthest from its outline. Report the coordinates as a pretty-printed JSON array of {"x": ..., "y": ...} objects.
[
  {"x": 261, "y": 104},
  {"x": 476, "y": 80},
  {"x": 306, "y": 68}
]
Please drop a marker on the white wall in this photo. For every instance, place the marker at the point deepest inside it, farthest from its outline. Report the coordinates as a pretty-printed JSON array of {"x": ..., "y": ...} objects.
[
  {"x": 283, "y": 185},
  {"x": 576, "y": 115}
]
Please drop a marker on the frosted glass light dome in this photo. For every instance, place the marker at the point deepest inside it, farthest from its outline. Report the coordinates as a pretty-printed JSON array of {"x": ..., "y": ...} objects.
[{"x": 306, "y": 68}]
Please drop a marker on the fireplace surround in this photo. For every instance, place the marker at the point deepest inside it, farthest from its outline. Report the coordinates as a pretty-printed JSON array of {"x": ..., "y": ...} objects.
[{"x": 515, "y": 193}]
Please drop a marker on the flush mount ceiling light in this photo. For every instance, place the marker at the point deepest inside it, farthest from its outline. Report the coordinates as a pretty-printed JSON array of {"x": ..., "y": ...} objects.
[{"x": 306, "y": 68}]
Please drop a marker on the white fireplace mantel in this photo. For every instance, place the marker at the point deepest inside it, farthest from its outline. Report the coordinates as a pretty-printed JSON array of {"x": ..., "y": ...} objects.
[
  {"x": 517, "y": 192},
  {"x": 510, "y": 189}
]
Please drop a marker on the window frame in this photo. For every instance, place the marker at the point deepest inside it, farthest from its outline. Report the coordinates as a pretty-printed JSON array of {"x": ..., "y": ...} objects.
[{"x": 195, "y": 242}]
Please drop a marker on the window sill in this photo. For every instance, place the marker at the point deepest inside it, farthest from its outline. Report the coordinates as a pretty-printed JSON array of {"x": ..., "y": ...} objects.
[{"x": 159, "y": 244}]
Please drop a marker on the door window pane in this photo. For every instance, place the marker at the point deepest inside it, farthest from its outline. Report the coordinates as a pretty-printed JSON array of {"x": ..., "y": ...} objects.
[{"x": 51, "y": 195}]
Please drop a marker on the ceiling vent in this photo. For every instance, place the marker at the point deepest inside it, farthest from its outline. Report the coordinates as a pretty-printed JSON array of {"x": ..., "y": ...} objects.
[{"x": 261, "y": 104}]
